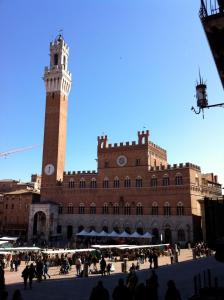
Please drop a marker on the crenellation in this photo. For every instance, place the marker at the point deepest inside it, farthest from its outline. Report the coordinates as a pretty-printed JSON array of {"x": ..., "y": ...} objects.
[
  {"x": 133, "y": 143},
  {"x": 110, "y": 146},
  {"x": 73, "y": 172},
  {"x": 127, "y": 143}
]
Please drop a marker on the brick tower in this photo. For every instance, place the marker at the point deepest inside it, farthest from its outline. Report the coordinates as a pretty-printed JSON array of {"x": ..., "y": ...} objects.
[{"x": 58, "y": 83}]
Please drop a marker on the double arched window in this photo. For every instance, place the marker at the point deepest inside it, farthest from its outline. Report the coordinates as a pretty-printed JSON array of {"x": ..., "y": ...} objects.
[
  {"x": 127, "y": 209},
  {"x": 180, "y": 209},
  {"x": 139, "y": 209},
  {"x": 116, "y": 209},
  {"x": 105, "y": 209},
  {"x": 127, "y": 182},
  {"x": 154, "y": 181},
  {"x": 167, "y": 209},
  {"x": 166, "y": 180},
  {"x": 116, "y": 182},
  {"x": 93, "y": 183},
  {"x": 70, "y": 208},
  {"x": 81, "y": 208},
  {"x": 92, "y": 210},
  {"x": 155, "y": 210},
  {"x": 71, "y": 183},
  {"x": 138, "y": 182},
  {"x": 82, "y": 183},
  {"x": 106, "y": 183}
]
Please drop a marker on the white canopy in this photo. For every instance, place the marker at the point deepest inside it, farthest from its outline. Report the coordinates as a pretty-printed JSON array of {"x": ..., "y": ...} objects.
[
  {"x": 60, "y": 251},
  {"x": 124, "y": 234},
  {"x": 8, "y": 238},
  {"x": 108, "y": 246},
  {"x": 21, "y": 249},
  {"x": 83, "y": 232},
  {"x": 3, "y": 242}
]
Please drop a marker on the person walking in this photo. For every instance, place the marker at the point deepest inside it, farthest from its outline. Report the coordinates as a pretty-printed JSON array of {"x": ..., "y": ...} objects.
[
  {"x": 172, "y": 292},
  {"x": 99, "y": 292},
  {"x": 103, "y": 266},
  {"x": 25, "y": 275},
  {"x": 45, "y": 270}
]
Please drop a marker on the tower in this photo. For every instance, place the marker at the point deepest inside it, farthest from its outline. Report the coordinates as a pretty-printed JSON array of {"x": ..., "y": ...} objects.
[{"x": 57, "y": 83}]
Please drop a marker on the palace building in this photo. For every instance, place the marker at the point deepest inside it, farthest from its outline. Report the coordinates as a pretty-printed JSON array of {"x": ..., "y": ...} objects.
[{"x": 134, "y": 187}]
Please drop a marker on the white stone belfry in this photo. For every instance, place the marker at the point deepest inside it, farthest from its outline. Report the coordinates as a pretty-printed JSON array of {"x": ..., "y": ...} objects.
[{"x": 57, "y": 77}]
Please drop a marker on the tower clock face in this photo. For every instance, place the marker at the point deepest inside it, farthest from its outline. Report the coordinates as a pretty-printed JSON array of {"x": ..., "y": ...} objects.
[
  {"x": 121, "y": 160},
  {"x": 49, "y": 169}
]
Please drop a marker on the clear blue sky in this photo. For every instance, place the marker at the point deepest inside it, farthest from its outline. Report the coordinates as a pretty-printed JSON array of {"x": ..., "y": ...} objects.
[{"x": 134, "y": 64}]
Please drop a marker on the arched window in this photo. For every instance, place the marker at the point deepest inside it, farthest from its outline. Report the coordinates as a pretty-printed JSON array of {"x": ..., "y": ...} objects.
[
  {"x": 180, "y": 209},
  {"x": 116, "y": 182},
  {"x": 116, "y": 229},
  {"x": 70, "y": 208},
  {"x": 128, "y": 230},
  {"x": 181, "y": 235},
  {"x": 166, "y": 180},
  {"x": 92, "y": 209},
  {"x": 153, "y": 181},
  {"x": 155, "y": 210},
  {"x": 127, "y": 182},
  {"x": 106, "y": 183},
  {"x": 71, "y": 183},
  {"x": 116, "y": 209},
  {"x": 139, "y": 209},
  {"x": 178, "y": 179},
  {"x": 167, "y": 209},
  {"x": 55, "y": 59},
  {"x": 82, "y": 183},
  {"x": 138, "y": 182},
  {"x": 105, "y": 209},
  {"x": 167, "y": 235},
  {"x": 127, "y": 209},
  {"x": 93, "y": 183},
  {"x": 81, "y": 209}
]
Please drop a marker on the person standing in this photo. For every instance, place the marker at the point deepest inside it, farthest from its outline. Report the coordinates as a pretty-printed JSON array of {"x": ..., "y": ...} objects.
[
  {"x": 78, "y": 264},
  {"x": 32, "y": 273},
  {"x": 99, "y": 292},
  {"x": 121, "y": 291},
  {"x": 172, "y": 292}
]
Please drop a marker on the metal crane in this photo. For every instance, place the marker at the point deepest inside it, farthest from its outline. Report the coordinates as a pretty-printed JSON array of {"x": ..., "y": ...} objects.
[{"x": 12, "y": 151}]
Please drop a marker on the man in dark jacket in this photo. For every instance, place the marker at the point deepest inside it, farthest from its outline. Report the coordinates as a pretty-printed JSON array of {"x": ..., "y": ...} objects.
[{"x": 121, "y": 291}]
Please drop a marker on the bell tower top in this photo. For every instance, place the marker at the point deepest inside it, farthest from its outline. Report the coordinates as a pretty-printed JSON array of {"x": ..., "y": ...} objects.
[{"x": 57, "y": 77}]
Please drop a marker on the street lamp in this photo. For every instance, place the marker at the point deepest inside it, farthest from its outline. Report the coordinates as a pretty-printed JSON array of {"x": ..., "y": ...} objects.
[{"x": 201, "y": 95}]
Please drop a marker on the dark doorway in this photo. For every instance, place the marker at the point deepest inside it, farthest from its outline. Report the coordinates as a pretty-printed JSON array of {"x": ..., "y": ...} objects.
[{"x": 69, "y": 232}]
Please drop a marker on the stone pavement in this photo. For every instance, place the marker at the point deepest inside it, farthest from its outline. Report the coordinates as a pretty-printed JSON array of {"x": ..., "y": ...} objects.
[{"x": 70, "y": 287}]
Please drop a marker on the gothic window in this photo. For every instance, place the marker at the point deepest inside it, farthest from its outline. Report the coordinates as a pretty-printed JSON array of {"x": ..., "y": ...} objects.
[
  {"x": 105, "y": 209},
  {"x": 180, "y": 209},
  {"x": 93, "y": 183},
  {"x": 116, "y": 209},
  {"x": 106, "y": 183},
  {"x": 71, "y": 183},
  {"x": 92, "y": 209},
  {"x": 81, "y": 209},
  {"x": 178, "y": 179},
  {"x": 153, "y": 181},
  {"x": 166, "y": 180},
  {"x": 127, "y": 182},
  {"x": 106, "y": 164},
  {"x": 181, "y": 235},
  {"x": 167, "y": 209},
  {"x": 116, "y": 182},
  {"x": 155, "y": 209},
  {"x": 139, "y": 209},
  {"x": 55, "y": 59},
  {"x": 138, "y": 182},
  {"x": 127, "y": 209},
  {"x": 70, "y": 208},
  {"x": 82, "y": 183}
]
